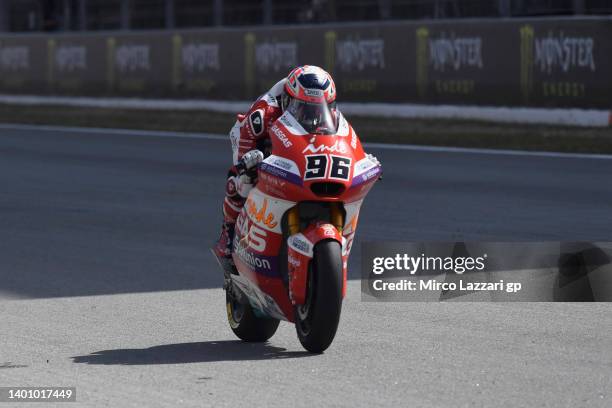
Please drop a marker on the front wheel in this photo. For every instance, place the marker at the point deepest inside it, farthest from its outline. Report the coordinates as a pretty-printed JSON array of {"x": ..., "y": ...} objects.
[
  {"x": 316, "y": 321},
  {"x": 245, "y": 324}
]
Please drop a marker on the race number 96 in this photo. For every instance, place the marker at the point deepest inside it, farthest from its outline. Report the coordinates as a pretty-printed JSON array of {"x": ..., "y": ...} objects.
[{"x": 320, "y": 166}]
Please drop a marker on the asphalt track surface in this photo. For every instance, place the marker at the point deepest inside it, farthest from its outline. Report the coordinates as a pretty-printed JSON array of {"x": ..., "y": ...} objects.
[{"x": 106, "y": 283}]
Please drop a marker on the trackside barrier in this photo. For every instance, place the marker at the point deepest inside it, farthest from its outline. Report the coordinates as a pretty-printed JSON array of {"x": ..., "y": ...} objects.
[{"x": 532, "y": 62}]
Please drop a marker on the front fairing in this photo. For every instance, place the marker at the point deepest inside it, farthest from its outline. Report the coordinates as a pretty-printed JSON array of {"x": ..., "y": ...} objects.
[{"x": 310, "y": 167}]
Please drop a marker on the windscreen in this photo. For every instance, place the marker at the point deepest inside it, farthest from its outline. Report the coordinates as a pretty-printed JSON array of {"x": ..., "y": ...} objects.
[{"x": 315, "y": 117}]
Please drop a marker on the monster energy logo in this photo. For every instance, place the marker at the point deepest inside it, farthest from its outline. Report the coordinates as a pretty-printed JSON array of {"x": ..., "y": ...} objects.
[
  {"x": 526, "y": 61},
  {"x": 564, "y": 53},
  {"x": 275, "y": 56},
  {"x": 422, "y": 60},
  {"x": 14, "y": 58},
  {"x": 71, "y": 58}
]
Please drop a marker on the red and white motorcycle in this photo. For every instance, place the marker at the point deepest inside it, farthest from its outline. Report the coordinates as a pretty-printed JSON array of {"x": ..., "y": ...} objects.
[{"x": 294, "y": 234}]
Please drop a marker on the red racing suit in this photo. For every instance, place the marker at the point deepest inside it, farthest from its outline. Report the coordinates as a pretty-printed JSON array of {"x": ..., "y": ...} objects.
[{"x": 247, "y": 134}]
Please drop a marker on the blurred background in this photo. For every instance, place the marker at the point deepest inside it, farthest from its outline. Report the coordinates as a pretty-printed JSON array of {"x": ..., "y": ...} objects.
[
  {"x": 468, "y": 55},
  {"x": 70, "y": 15}
]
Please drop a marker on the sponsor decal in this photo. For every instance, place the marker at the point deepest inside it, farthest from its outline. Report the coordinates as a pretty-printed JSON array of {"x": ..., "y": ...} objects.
[
  {"x": 276, "y": 56},
  {"x": 294, "y": 261},
  {"x": 363, "y": 165},
  {"x": 314, "y": 92},
  {"x": 357, "y": 55},
  {"x": 337, "y": 147},
  {"x": 254, "y": 261},
  {"x": 256, "y": 122},
  {"x": 452, "y": 52},
  {"x": 362, "y": 178},
  {"x": 347, "y": 244},
  {"x": 282, "y": 163},
  {"x": 252, "y": 236},
  {"x": 273, "y": 181},
  {"x": 281, "y": 136},
  {"x": 70, "y": 58},
  {"x": 550, "y": 55},
  {"x": 283, "y": 168},
  {"x": 291, "y": 124},
  {"x": 130, "y": 58},
  {"x": 200, "y": 57},
  {"x": 15, "y": 58},
  {"x": 260, "y": 215},
  {"x": 329, "y": 231},
  {"x": 275, "y": 171},
  {"x": 270, "y": 100},
  {"x": 370, "y": 174},
  {"x": 300, "y": 244},
  {"x": 564, "y": 53}
]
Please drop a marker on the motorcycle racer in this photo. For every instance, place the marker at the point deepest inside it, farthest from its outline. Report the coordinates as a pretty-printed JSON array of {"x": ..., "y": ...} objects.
[{"x": 309, "y": 93}]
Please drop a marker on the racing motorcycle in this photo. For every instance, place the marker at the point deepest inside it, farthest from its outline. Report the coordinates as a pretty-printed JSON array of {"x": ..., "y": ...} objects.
[{"x": 294, "y": 235}]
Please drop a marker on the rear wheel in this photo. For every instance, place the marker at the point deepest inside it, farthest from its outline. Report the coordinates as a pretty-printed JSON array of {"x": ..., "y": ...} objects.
[
  {"x": 316, "y": 321},
  {"x": 245, "y": 324}
]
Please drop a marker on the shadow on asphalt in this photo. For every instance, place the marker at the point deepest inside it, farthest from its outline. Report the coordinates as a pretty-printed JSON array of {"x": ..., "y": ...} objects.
[{"x": 183, "y": 353}]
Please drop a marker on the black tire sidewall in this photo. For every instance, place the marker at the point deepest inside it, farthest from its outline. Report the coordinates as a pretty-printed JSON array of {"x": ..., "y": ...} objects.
[{"x": 324, "y": 312}]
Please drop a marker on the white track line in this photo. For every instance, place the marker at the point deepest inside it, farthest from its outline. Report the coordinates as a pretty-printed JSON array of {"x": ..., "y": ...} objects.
[
  {"x": 113, "y": 131},
  {"x": 498, "y": 114},
  {"x": 382, "y": 146}
]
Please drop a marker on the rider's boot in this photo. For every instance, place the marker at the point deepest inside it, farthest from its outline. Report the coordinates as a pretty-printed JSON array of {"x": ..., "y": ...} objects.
[
  {"x": 223, "y": 252},
  {"x": 223, "y": 248}
]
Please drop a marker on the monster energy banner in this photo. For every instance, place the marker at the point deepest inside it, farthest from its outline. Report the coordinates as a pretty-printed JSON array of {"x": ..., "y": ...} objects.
[
  {"x": 486, "y": 271},
  {"x": 537, "y": 62}
]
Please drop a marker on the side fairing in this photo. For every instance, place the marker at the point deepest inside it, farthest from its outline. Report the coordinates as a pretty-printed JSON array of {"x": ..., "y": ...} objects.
[{"x": 257, "y": 242}]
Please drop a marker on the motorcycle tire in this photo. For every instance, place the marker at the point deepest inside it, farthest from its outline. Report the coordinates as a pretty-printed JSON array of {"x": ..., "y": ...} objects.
[
  {"x": 316, "y": 321},
  {"x": 245, "y": 325}
]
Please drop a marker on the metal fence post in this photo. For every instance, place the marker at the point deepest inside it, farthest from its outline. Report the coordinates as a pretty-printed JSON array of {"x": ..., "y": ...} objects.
[
  {"x": 384, "y": 8},
  {"x": 169, "y": 14},
  {"x": 4, "y": 20},
  {"x": 82, "y": 12},
  {"x": 578, "y": 6},
  {"x": 125, "y": 14},
  {"x": 218, "y": 12},
  {"x": 66, "y": 16},
  {"x": 267, "y": 12},
  {"x": 503, "y": 7}
]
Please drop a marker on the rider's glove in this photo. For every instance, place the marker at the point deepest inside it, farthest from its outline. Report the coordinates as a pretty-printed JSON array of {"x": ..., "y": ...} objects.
[
  {"x": 249, "y": 161},
  {"x": 246, "y": 171},
  {"x": 244, "y": 183}
]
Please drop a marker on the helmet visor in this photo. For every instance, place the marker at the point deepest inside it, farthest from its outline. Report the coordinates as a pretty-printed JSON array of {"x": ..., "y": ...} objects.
[{"x": 315, "y": 117}]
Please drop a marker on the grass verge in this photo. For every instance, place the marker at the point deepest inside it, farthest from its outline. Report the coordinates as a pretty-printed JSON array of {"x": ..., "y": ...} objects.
[{"x": 409, "y": 131}]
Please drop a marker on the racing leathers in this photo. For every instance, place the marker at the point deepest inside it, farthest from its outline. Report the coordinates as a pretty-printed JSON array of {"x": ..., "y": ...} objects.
[{"x": 249, "y": 133}]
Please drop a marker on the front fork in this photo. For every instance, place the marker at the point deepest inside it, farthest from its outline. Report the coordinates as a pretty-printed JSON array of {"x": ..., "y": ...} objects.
[{"x": 300, "y": 248}]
